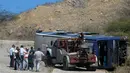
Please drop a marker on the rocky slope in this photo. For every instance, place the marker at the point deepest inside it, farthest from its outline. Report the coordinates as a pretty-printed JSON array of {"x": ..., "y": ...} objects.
[{"x": 70, "y": 15}]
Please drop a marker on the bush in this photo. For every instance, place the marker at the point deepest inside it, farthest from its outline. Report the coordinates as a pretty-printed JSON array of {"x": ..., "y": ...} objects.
[
  {"x": 124, "y": 69},
  {"x": 122, "y": 25},
  {"x": 15, "y": 17},
  {"x": 128, "y": 62},
  {"x": 7, "y": 15}
]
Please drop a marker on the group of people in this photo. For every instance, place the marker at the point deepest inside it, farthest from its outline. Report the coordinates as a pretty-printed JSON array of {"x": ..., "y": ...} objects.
[{"x": 22, "y": 58}]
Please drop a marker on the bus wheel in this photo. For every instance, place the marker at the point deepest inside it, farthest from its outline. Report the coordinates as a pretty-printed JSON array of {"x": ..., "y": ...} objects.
[{"x": 65, "y": 64}]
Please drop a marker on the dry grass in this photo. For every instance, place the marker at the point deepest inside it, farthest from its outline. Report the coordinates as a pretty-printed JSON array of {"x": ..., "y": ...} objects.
[
  {"x": 125, "y": 69},
  {"x": 71, "y": 15}
]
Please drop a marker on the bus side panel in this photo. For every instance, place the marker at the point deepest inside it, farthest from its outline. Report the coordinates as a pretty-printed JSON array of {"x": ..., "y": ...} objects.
[
  {"x": 41, "y": 41},
  {"x": 110, "y": 53},
  {"x": 38, "y": 41},
  {"x": 95, "y": 47}
]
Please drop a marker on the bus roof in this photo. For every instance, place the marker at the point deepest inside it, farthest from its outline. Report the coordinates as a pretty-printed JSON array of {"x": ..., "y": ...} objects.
[
  {"x": 75, "y": 35},
  {"x": 101, "y": 37},
  {"x": 55, "y": 34}
]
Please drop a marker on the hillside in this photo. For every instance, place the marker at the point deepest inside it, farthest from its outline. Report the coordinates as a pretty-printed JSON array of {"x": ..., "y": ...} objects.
[{"x": 70, "y": 15}]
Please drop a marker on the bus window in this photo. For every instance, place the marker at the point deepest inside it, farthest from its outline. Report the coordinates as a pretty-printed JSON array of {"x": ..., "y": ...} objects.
[{"x": 88, "y": 45}]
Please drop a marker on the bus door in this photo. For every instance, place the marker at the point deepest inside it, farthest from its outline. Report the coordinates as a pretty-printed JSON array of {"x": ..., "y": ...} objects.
[{"x": 103, "y": 52}]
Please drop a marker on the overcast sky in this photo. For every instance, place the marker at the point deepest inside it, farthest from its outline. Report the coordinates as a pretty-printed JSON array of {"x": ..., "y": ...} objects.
[{"x": 18, "y": 6}]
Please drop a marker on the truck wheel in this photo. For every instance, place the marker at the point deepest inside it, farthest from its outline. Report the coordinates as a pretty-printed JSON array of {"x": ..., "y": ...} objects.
[
  {"x": 91, "y": 68},
  {"x": 65, "y": 64}
]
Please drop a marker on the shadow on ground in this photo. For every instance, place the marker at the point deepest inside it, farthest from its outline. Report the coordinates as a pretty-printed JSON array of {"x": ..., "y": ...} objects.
[{"x": 72, "y": 68}]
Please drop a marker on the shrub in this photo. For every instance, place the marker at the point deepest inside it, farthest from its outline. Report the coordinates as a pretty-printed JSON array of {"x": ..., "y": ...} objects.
[
  {"x": 128, "y": 62},
  {"x": 123, "y": 69},
  {"x": 7, "y": 15},
  {"x": 121, "y": 25},
  {"x": 15, "y": 17}
]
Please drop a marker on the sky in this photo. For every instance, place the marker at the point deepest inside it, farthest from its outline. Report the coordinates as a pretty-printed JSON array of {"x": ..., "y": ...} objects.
[{"x": 18, "y": 6}]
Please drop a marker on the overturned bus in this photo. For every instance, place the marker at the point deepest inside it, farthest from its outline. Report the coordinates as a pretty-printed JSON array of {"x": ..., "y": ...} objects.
[
  {"x": 111, "y": 51},
  {"x": 91, "y": 51}
]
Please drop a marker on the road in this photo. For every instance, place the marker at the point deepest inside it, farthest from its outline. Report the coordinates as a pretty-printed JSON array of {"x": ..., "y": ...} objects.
[{"x": 4, "y": 60}]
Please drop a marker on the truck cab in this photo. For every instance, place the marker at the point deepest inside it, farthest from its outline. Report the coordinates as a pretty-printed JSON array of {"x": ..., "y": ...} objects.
[{"x": 73, "y": 52}]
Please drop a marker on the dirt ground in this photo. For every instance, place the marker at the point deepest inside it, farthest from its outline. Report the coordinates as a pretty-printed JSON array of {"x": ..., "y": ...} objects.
[{"x": 4, "y": 60}]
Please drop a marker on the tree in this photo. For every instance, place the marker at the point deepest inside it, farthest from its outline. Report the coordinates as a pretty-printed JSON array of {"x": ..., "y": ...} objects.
[{"x": 6, "y": 15}]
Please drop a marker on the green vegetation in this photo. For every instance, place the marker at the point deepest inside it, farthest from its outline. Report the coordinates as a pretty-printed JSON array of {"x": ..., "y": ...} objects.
[
  {"x": 15, "y": 17},
  {"x": 120, "y": 27},
  {"x": 128, "y": 62},
  {"x": 123, "y": 69},
  {"x": 7, "y": 15}
]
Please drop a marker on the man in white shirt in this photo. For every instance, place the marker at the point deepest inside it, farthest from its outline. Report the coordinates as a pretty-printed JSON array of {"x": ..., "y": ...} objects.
[
  {"x": 38, "y": 57},
  {"x": 12, "y": 55},
  {"x": 22, "y": 51}
]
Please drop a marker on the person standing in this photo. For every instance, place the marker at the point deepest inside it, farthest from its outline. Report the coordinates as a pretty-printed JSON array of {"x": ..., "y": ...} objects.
[
  {"x": 17, "y": 58},
  {"x": 22, "y": 51},
  {"x": 38, "y": 57},
  {"x": 31, "y": 59},
  {"x": 32, "y": 50},
  {"x": 26, "y": 53},
  {"x": 12, "y": 56}
]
